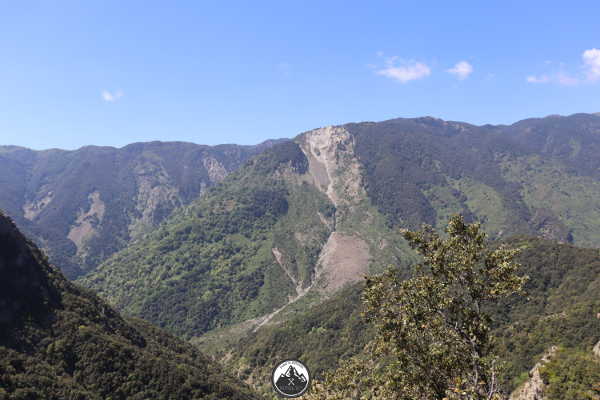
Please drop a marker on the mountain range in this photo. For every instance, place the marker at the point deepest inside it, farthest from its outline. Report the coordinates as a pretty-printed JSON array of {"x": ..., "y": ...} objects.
[
  {"x": 309, "y": 216},
  {"x": 269, "y": 262},
  {"x": 81, "y": 206}
]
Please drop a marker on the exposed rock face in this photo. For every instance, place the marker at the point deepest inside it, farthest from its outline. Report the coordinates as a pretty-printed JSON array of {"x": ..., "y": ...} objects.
[
  {"x": 32, "y": 209},
  {"x": 335, "y": 171},
  {"x": 216, "y": 171},
  {"x": 87, "y": 222},
  {"x": 533, "y": 389},
  {"x": 343, "y": 260},
  {"x": 333, "y": 165},
  {"x": 346, "y": 255},
  {"x": 156, "y": 192}
]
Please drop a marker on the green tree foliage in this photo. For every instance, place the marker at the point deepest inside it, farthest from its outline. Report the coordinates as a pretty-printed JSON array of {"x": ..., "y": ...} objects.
[
  {"x": 433, "y": 336},
  {"x": 212, "y": 263},
  {"x": 572, "y": 374},
  {"x": 560, "y": 309},
  {"x": 320, "y": 337},
  {"x": 59, "y": 341},
  {"x": 543, "y": 171}
]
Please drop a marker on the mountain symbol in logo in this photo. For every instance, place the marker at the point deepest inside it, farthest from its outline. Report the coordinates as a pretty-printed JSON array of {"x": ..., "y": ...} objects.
[{"x": 291, "y": 382}]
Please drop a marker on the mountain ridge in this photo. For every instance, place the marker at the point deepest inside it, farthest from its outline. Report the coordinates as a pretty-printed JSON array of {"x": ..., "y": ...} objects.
[
  {"x": 82, "y": 205},
  {"x": 264, "y": 143},
  {"x": 302, "y": 206}
]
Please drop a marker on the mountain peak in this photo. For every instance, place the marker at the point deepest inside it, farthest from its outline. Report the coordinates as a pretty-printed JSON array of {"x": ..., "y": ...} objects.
[{"x": 291, "y": 372}]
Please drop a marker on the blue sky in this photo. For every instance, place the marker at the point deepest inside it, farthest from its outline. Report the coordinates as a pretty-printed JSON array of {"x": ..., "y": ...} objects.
[{"x": 116, "y": 72}]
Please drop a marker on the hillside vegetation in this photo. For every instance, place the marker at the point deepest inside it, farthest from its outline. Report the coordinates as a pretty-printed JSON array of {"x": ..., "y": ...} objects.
[
  {"x": 312, "y": 216},
  {"x": 560, "y": 308},
  {"x": 572, "y": 374},
  {"x": 58, "y": 341},
  {"x": 537, "y": 176},
  {"x": 213, "y": 263},
  {"x": 247, "y": 248},
  {"x": 287, "y": 239}
]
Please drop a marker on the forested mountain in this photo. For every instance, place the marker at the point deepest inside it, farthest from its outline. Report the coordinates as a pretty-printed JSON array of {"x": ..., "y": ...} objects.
[
  {"x": 59, "y": 341},
  {"x": 82, "y": 206},
  {"x": 309, "y": 216},
  {"x": 561, "y": 308},
  {"x": 281, "y": 230}
]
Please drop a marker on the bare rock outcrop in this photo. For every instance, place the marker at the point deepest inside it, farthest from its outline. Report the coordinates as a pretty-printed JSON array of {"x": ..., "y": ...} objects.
[
  {"x": 86, "y": 224},
  {"x": 533, "y": 389},
  {"x": 333, "y": 165},
  {"x": 343, "y": 260}
]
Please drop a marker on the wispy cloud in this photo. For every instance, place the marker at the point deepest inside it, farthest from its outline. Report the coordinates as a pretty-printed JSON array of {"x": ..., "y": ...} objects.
[
  {"x": 461, "y": 70},
  {"x": 560, "y": 78},
  {"x": 566, "y": 80},
  {"x": 404, "y": 71},
  {"x": 590, "y": 67},
  {"x": 538, "y": 79},
  {"x": 111, "y": 97}
]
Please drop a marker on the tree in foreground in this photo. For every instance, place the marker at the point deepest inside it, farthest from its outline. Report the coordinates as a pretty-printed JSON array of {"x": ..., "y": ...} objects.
[{"x": 433, "y": 336}]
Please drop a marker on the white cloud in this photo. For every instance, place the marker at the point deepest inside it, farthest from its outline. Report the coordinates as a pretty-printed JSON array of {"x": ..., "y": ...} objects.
[
  {"x": 461, "y": 70},
  {"x": 111, "y": 97},
  {"x": 406, "y": 72},
  {"x": 591, "y": 63},
  {"x": 591, "y": 72}
]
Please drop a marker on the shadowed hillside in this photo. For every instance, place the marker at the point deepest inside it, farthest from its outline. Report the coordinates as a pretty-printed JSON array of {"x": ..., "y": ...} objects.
[{"x": 58, "y": 341}]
